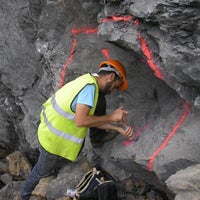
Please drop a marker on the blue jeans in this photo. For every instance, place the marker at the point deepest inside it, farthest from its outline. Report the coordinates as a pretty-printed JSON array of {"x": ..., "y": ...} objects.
[{"x": 43, "y": 168}]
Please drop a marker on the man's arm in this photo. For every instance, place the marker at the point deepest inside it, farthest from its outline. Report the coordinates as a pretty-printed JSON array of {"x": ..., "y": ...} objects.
[
  {"x": 127, "y": 132},
  {"x": 83, "y": 119}
]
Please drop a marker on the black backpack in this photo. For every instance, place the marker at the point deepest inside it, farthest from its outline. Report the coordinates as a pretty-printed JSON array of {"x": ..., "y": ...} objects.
[{"x": 97, "y": 184}]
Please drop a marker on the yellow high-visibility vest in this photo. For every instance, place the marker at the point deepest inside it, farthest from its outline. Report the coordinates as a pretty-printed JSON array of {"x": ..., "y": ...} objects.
[{"x": 57, "y": 132}]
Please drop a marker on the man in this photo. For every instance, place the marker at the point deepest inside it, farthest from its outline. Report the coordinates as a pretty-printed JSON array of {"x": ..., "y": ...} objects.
[{"x": 66, "y": 116}]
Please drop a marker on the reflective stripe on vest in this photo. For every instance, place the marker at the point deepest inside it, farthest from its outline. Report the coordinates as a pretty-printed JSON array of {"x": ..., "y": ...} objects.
[
  {"x": 60, "y": 133},
  {"x": 59, "y": 110}
]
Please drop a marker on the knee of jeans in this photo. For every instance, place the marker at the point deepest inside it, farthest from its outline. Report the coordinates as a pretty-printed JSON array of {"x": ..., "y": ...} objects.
[
  {"x": 40, "y": 173},
  {"x": 44, "y": 175}
]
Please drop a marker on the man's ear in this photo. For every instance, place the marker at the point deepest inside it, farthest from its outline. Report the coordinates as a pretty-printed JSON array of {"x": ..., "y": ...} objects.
[{"x": 111, "y": 76}]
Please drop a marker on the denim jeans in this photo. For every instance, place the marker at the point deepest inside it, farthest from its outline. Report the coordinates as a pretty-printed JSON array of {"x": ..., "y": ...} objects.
[{"x": 43, "y": 168}]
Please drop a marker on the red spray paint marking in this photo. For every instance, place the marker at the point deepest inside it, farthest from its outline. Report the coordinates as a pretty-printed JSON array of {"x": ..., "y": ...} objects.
[
  {"x": 74, "y": 31},
  {"x": 105, "y": 53},
  {"x": 136, "y": 22},
  {"x": 148, "y": 53},
  {"x": 84, "y": 30},
  {"x": 177, "y": 125},
  {"x": 67, "y": 63},
  {"x": 137, "y": 135},
  {"x": 117, "y": 18}
]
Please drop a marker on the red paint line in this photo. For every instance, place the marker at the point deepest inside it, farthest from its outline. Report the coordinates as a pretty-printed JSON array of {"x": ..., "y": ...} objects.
[
  {"x": 105, "y": 52},
  {"x": 84, "y": 30},
  {"x": 177, "y": 125},
  {"x": 90, "y": 31},
  {"x": 148, "y": 53},
  {"x": 117, "y": 18},
  {"x": 69, "y": 60},
  {"x": 136, "y": 22},
  {"x": 77, "y": 31}
]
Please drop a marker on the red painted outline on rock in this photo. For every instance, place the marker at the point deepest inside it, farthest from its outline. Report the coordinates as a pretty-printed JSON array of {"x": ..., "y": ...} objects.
[
  {"x": 187, "y": 108},
  {"x": 117, "y": 18},
  {"x": 83, "y": 30},
  {"x": 105, "y": 52},
  {"x": 69, "y": 60},
  {"x": 148, "y": 54}
]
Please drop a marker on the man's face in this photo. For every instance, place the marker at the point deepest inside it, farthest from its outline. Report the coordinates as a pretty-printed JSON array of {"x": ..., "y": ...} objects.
[{"x": 110, "y": 86}]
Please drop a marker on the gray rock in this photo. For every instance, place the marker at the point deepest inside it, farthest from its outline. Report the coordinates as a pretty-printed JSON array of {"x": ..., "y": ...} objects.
[
  {"x": 6, "y": 178},
  {"x": 185, "y": 183},
  {"x": 185, "y": 180},
  {"x": 187, "y": 195}
]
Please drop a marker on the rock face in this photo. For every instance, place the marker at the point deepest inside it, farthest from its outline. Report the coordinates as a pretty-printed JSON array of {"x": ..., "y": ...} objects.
[
  {"x": 45, "y": 44},
  {"x": 185, "y": 183}
]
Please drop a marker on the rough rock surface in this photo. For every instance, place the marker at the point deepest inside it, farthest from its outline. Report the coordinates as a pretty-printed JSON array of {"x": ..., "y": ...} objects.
[
  {"x": 186, "y": 183},
  {"x": 45, "y": 43}
]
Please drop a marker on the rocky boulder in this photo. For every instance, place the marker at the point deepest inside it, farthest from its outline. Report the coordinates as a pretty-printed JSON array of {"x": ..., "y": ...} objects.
[{"x": 185, "y": 183}]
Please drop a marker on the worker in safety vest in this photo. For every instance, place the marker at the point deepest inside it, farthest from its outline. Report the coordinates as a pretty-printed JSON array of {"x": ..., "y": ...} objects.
[{"x": 67, "y": 115}]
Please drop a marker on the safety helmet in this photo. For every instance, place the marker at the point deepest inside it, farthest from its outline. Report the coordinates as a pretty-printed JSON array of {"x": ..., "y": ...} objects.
[{"x": 119, "y": 70}]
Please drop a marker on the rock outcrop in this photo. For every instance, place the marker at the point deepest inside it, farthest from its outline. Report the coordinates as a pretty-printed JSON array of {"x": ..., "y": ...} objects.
[
  {"x": 46, "y": 43},
  {"x": 185, "y": 183}
]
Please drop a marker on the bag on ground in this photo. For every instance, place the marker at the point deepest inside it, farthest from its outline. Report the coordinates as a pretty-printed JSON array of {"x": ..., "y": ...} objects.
[{"x": 96, "y": 184}]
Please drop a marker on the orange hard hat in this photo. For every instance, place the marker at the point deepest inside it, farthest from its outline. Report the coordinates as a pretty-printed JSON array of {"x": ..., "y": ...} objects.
[{"x": 120, "y": 69}]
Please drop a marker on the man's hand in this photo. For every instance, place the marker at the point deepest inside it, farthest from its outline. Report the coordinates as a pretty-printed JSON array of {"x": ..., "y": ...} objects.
[
  {"x": 128, "y": 132},
  {"x": 119, "y": 115}
]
